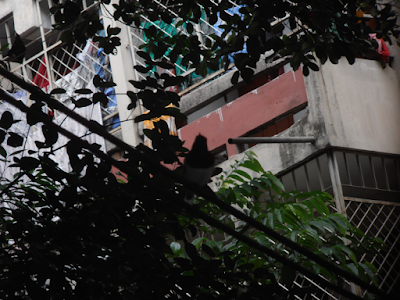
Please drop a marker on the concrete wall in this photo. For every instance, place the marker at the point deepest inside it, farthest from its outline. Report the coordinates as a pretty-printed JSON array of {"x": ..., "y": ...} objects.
[
  {"x": 349, "y": 106},
  {"x": 24, "y": 13},
  {"x": 361, "y": 105}
]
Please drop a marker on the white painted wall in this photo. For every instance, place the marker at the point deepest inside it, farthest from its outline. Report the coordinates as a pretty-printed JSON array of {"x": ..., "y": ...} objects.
[
  {"x": 24, "y": 13},
  {"x": 361, "y": 105},
  {"x": 349, "y": 106}
]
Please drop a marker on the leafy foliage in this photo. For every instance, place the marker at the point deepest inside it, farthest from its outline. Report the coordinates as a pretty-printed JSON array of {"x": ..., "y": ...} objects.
[
  {"x": 85, "y": 235},
  {"x": 303, "y": 217},
  {"x": 319, "y": 29}
]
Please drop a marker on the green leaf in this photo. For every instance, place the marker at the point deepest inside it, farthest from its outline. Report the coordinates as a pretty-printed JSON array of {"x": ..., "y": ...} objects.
[
  {"x": 271, "y": 220},
  {"x": 197, "y": 242},
  {"x": 352, "y": 268},
  {"x": 348, "y": 251},
  {"x": 319, "y": 225},
  {"x": 317, "y": 205},
  {"x": 313, "y": 234},
  {"x": 279, "y": 215},
  {"x": 242, "y": 173},
  {"x": 275, "y": 180},
  {"x": 370, "y": 270},
  {"x": 341, "y": 221},
  {"x": 4, "y": 47},
  {"x": 236, "y": 177}
]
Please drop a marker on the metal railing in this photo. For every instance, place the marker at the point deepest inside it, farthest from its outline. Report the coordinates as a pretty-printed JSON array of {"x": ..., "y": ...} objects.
[
  {"x": 371, "y": 193},
  {"x": 51, "y": 64}
]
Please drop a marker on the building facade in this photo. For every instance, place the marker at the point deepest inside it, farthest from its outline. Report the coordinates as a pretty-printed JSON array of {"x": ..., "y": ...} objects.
[{"x": 352, "y": 112}]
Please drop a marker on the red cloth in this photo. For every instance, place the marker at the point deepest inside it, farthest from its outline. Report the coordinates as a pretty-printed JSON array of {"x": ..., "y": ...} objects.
[
  {"x": 41, "y": 78},
  {"x": 384, "y": 53}
]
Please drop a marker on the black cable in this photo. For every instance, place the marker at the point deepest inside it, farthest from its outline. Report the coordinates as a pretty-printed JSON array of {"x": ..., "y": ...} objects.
[{"x": 205, "y": 193}]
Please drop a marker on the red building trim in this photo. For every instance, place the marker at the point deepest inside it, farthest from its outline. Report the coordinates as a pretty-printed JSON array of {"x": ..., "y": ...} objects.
[{"x": 248, "y": 112}]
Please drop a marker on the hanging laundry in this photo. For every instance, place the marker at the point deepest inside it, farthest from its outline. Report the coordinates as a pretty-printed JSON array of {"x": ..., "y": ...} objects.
[
  {"x": 100, "y": 66},
  {"x": 41, "y": 77},
  {"x": 81, "y": 77},
  {"x": 149, "y": 124},
  {"x": 382, "y": 49},
  {"x": 112, "y": 107}
]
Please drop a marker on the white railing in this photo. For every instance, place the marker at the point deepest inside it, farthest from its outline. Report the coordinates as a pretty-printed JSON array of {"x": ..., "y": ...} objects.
[{"x": 56, "y": 65}]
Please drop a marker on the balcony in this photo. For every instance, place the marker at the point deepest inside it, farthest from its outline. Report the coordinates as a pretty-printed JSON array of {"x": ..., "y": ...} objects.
[{"x": 263, "y": 105}]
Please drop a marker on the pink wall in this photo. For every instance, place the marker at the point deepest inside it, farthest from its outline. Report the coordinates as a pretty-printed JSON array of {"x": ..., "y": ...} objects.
[{"x": 248, "y": 112}]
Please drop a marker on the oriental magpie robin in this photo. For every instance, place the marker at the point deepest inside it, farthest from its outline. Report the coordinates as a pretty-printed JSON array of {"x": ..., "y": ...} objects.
[{"x": 199, "y": 165}]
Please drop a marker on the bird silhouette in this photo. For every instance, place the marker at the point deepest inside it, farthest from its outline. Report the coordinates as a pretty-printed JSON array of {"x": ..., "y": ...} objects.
[
  {"x": 17, "y": 51},
  {"x": 198, "y": 165}
]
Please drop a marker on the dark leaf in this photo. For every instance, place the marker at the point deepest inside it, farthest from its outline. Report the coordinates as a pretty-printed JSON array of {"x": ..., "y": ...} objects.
[
  {"x": 144, "y": 55},
  {"x": 191, "y": 251},
  {"x": 99, "y": 82},
  {"x": 306, "y": 71},
  {"x": 100, "y": 97},
  {"x": 82, "y": 102},
  {"x": 84, "y": 91},
  {"x": 288, "y": 275},
  {"x": 247, "y": 73},
  {"x": 14, "y": 140},
  {"x": 229, "y": 263},
  {"x": 50, "y": 134},
  {"x": 173, "y": 81},
  {"x": 193, "y": 230},
  {"x": 313, "y": 66},
  {"x": 142, "y": 69},
  {"x": 28, "y": 163},
  {"x": 2, "y": 135},
  {"x": 164, "y": 65},
  {"x": 57, "y": 91},
  {"x": 3, "y": 151},
  {"x": 113, "y": 30},
  {"x": 235, "y": 77},
  {"x": 40, "y": 145},
  {"x": 6, "y": 120},
  {"x": 208, "y": 250}
]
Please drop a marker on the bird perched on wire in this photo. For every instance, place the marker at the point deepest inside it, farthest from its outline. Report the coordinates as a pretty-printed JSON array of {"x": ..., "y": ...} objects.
[{"x": 198, "y": 165}]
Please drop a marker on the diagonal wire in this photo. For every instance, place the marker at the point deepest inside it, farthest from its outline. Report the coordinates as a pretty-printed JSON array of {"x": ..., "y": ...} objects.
[{"x": 205, "y": 193}]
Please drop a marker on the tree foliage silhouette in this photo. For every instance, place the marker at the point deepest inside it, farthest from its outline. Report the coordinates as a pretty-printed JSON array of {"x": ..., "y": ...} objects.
[{"x": 85, "y": 235}]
